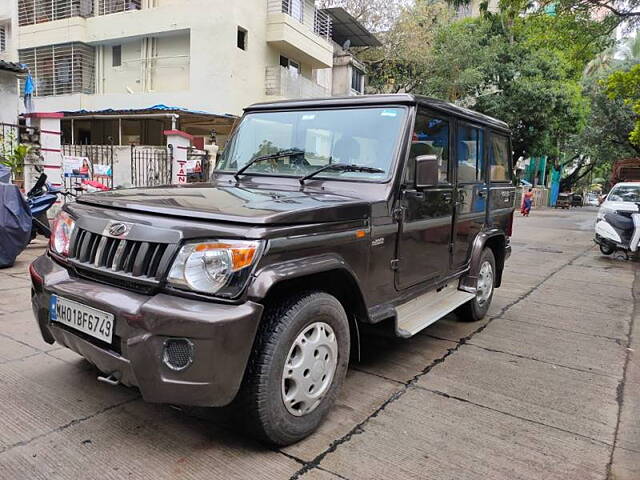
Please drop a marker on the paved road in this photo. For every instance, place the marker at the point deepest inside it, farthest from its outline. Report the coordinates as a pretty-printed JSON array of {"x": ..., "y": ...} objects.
[{"x": 548, "y": 387}]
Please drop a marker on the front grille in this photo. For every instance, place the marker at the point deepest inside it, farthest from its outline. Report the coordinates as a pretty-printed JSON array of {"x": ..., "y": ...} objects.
[{"x": 136, "y": 261}]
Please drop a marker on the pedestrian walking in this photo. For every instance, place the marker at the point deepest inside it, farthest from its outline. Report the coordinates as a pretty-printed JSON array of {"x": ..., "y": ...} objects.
[{"x": 527, "y": 201}]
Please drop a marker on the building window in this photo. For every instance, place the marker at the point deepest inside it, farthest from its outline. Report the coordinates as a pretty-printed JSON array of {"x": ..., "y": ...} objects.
[
  {"x": 294, "y": 8},
  {"x": 107, "y": 7},
  {"x": 31, "y": 12},
  {"x": 357, "y": 80},
  {"x": 291, "y": 65},
  {"x": 242, "y": 38},
  {"x": 3, "y": 38},
  {"x": 61, "y": 69},
  {"x": 116, "y": 55}
]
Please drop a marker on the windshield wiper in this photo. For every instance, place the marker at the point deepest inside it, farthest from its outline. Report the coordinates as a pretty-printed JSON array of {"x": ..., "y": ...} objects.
[
  {"x": 343, "y": 167},
  {"x": 271, "y": 156}
]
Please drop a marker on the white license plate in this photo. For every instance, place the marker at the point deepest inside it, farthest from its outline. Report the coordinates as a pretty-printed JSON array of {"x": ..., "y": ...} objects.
[{"x": 95, "y": 323}]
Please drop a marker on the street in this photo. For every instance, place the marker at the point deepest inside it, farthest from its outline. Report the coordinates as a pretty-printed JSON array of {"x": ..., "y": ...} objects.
[{"x": 547, "y": 386}]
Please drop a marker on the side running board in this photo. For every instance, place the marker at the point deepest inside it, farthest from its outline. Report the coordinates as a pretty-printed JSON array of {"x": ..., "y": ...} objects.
[{"x": 426, "y": 309}]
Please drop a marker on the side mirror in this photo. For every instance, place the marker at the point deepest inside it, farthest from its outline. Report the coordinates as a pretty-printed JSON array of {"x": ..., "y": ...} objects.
[{"x": 427, "y": 171}]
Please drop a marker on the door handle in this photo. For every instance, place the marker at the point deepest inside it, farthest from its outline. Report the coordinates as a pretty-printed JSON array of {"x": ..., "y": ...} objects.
[
  {"x": 482, "y": 193},
  {"x": 446, "y": 197},
  {"x": 414, "y": 193}
]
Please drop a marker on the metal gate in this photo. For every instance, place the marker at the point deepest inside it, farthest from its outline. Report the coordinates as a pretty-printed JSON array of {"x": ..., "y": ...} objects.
[
  {"x": 199, "y": 165},
  {"x": 100, "y": 167},
  {"x": 151, "y": 166}
]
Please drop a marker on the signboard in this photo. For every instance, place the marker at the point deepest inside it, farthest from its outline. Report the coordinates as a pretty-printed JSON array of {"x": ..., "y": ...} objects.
[{"x": 79, "y": 167}]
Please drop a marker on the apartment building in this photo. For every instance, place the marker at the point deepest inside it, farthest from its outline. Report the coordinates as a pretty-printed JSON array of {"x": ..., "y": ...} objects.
[
  {"x": 8, "y": 68},
  {"x": 203, "y": 56}
]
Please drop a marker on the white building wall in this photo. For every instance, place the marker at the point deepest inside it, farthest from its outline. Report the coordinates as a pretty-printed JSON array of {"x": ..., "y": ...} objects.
[
  {"x": 8, "y": 97},
  {"x": 221, "y": 78},
  {"x": 9, "y": 19}
]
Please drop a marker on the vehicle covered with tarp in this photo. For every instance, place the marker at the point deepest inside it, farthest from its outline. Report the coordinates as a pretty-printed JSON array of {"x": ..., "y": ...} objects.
[{"x": 15, "y": 224}]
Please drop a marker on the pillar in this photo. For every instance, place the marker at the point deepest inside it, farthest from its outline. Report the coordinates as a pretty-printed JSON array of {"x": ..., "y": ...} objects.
[
  {"x": 48, "y": 125},
  {"x": 180, "y": 141}
]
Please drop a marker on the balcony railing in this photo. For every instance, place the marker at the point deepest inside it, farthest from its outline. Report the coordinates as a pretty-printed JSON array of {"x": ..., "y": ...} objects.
[
  {"x": 305, "y": 12},
  {"x": 283, "y": 82},
  {"x": 31, "y": 12}
]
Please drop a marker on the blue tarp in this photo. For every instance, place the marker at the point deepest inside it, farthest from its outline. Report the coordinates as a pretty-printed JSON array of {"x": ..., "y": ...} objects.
[
  {"x": 5, "y": 174},
  {"x": 15, "y": 224}
]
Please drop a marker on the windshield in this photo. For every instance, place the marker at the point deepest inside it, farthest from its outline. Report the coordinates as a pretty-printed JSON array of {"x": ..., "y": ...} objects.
[
  {"x": 312, "y": 139},
  {"x": 625, "y": 193}
]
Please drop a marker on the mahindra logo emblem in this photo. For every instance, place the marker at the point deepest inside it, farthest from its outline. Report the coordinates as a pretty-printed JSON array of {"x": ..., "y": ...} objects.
[{"x": 118, "y": 229}]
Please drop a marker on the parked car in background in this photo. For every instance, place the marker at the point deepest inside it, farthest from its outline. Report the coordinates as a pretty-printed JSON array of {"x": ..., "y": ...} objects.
[
  {"x": 323, "y": 216},
  {"x": 592, "y": 200}
]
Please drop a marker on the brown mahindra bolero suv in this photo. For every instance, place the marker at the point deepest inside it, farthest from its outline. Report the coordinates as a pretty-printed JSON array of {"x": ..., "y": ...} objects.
[{"x": 322, "y": 217}]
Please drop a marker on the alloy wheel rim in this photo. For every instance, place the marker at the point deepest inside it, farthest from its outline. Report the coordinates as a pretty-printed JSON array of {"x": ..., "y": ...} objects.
[
  {"x": 309, "y": 369},
  {"x": 485, "y": 283}
]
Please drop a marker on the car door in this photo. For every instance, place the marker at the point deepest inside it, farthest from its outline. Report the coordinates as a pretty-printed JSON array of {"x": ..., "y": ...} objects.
[
  {"x": 427, "y": 213},
  {"x": 470, "y": 191}
]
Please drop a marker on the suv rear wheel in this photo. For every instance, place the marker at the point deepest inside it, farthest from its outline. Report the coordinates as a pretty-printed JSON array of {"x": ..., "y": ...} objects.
[
  {"x": 296, "y": 369},
  {"x": 477, "y": 308}
]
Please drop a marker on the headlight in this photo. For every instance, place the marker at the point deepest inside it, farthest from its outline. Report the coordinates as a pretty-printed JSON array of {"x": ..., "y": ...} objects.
[
  {"x": 603, "y": 211},
  {"x": 60, "y": 239},
  {"x": 217, "y": 267}
]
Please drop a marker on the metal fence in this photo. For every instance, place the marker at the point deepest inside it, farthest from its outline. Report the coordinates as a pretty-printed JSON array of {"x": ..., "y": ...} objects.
[
  {"x": 100, "y": 159},
  {"x": 151, "y": 166}
]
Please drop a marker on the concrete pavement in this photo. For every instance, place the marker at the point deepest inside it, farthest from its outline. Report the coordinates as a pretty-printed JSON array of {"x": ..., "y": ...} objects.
[{"x": 548, "y": 386}]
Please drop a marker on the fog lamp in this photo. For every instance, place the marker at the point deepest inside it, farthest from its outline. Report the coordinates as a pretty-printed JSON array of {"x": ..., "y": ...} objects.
[{"x": 178, "y": 353}]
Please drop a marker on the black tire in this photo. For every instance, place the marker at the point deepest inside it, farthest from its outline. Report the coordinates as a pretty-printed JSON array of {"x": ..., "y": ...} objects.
[
  {"x": 474, "y": 310},
  {"x": 260, "y": 401},
  {"x": 606, "y": 249}
]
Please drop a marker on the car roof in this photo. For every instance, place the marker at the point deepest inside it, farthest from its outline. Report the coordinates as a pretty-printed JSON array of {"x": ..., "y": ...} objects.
[{"x": 384, "y": 99}]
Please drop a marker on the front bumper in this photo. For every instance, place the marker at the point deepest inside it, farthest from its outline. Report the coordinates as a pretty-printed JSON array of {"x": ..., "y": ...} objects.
[{"x": 222, "y": 336}]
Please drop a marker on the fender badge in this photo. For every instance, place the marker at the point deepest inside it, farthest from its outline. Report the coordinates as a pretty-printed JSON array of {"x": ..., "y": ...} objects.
[{"x": 377, "y": 242}]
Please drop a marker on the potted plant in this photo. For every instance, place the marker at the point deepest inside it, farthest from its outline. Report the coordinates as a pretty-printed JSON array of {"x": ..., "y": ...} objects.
[{"x": 14, "y": 159}]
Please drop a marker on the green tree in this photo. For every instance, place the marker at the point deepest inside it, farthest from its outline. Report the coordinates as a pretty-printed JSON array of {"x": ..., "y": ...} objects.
[{"x": 625, "y": 86}]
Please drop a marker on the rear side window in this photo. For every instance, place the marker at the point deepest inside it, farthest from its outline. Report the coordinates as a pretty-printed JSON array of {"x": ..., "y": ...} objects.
[
  {"x": 470, "y": 147},
  {"x": 499, "y": 158}
]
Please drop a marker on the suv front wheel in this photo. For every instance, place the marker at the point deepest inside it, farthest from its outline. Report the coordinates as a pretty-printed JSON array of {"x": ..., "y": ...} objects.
[
  {"x": 477, "y": 308},
  {"x": 296, "y": 369}
]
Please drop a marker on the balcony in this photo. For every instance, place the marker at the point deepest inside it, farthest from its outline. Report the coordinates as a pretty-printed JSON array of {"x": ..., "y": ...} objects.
[
  {"x": 284, "y": 83},
  {"x": 32, "y": 12},
  {"x": 301, "y": 31}
]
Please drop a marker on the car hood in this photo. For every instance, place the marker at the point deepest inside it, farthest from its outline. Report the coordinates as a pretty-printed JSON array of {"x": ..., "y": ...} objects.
[
  {"x": 234, "y": 204},
  {"x": 623, "y": 206}
]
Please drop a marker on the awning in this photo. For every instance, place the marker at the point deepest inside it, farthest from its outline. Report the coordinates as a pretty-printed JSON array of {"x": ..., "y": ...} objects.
[
  {"x": 345, "y": 27},
  {"x": 147, "y": 110},
  {"x": 12, "y": 67}
]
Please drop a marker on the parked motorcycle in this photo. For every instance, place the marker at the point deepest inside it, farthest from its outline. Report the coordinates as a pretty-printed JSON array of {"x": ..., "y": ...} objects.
[
  {"x": 618, "y": 221},
  {"x": 41, "y": 198}
]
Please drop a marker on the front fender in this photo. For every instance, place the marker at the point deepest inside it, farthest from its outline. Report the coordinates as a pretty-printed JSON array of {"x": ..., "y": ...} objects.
[{"x": 265, "y": 278}]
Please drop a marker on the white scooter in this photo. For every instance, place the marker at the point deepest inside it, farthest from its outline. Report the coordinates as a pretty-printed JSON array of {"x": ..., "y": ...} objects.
[{"x": 618, "y": 232}]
